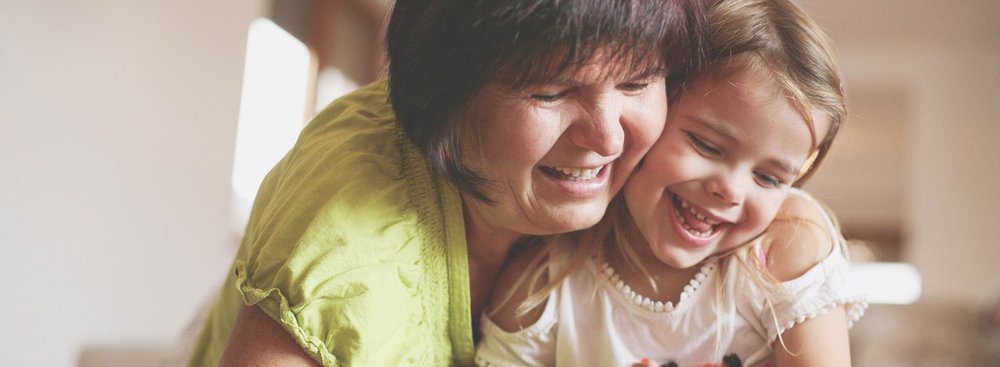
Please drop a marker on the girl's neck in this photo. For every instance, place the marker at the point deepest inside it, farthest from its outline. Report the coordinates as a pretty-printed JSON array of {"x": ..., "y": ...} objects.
[{"x": 669, "y": 282}]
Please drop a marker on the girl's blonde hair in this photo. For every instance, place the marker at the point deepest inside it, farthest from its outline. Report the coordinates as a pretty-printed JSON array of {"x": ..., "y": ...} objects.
[{"x": 775, "y": 38}]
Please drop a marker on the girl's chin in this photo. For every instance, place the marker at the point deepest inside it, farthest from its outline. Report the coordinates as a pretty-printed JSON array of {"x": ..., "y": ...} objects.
[{"x": 680, "y": 261}]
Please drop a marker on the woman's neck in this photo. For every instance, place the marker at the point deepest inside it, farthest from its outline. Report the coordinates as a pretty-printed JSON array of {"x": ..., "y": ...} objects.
[
  {"x": 488, "y": 249},
  {"x": 487, "y": 244}
]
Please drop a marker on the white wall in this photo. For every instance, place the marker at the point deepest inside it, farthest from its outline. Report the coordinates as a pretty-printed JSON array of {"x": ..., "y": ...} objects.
[{"x": 117, "y": 125}]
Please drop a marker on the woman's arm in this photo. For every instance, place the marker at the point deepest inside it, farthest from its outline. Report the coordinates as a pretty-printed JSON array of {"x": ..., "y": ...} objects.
[{"x": 257, "y": 340}]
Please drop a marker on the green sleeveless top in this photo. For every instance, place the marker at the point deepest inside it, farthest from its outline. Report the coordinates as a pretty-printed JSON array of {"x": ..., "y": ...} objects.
[{"x": 354, "y": 247}]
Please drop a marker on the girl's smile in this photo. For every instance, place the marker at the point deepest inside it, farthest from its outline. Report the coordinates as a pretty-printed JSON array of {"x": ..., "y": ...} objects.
[{"x": 696, "y": 227}]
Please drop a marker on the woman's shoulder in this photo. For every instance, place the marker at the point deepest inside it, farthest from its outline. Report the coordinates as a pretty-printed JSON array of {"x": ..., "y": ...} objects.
[
  {"x": 351, "y": 226},
  {"x": 351, "y": 206},
  {"x": 368, "y": 105}
]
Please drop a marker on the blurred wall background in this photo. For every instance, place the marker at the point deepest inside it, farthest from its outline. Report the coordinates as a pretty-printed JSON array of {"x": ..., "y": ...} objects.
[{"x": 118, "y": 122}]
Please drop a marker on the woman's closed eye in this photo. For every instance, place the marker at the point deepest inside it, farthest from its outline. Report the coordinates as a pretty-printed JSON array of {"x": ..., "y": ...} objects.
[
  {"x": 634, "y": 88},
  {"x": 550, "y": 97}
]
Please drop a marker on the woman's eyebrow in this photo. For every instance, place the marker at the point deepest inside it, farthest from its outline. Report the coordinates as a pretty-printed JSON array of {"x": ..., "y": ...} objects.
[
  {"x": 570, "y": 81},
  {"x": 647, "y": 73}
]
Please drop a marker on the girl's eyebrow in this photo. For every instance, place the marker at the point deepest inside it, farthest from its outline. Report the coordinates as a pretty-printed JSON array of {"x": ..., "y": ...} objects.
[
  {"x": 717, "y": 127},
  {"x": 785, "y": 166}
]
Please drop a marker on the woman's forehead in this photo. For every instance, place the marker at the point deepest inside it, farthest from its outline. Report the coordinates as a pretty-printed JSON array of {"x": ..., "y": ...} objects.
[{"x": 599, "y": 62}]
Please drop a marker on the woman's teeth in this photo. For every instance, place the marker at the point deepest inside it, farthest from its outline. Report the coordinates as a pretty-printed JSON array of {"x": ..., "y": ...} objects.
[{"x": 579, "y": 174}]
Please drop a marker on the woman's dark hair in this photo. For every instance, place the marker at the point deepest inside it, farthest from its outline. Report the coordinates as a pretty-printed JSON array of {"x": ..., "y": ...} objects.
[{"x": 441, "y": 52}]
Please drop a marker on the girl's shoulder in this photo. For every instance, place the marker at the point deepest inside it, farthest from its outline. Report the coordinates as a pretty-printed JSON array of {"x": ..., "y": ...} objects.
[{"x": 802, "y": 235}]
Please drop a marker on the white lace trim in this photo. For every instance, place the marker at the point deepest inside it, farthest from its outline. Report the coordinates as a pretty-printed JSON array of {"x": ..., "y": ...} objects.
[
  {"x": 854, "y": 307},
  {"x": 656, "y": 306}
]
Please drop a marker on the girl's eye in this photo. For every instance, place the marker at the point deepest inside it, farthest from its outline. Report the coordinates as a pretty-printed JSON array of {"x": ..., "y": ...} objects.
[
  {"x": 702, "y": 146},
  {"x": 769, "y": 181}
]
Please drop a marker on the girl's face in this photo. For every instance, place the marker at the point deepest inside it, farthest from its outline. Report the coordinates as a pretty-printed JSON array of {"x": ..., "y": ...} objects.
[
  {"x": 555, "y": 154},
  {"x": 732, "y": 146}
]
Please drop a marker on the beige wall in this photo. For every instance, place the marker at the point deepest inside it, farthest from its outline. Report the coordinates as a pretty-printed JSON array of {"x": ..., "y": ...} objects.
[
  {"x": 942, "y": 58},
  {"x": 117, "y": 125}
]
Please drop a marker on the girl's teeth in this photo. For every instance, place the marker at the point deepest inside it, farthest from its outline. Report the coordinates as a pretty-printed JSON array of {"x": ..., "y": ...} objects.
[
  {"x": 701, "y": 217},
  {"x": 697, "y": 214},
  {"x": 694, "y": 232}
]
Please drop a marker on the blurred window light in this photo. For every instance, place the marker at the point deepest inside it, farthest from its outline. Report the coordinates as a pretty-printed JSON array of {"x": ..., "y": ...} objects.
[
  {"x": 887, "y": 282},
  {"x": 330, "y": 85},
  {"x": 273, "y": 107}
]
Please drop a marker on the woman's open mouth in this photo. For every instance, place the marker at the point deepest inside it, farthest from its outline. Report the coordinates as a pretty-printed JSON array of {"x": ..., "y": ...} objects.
[{"x": 572, "y": 174}]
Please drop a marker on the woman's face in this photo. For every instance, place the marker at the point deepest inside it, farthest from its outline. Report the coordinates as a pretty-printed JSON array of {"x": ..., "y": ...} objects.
[
  {"x": 555, "y": 153},
  {"x": 730, "y": 150}
]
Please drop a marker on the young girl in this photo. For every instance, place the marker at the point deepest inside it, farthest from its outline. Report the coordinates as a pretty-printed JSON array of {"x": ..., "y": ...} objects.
[{"x": 681, "y": 270}]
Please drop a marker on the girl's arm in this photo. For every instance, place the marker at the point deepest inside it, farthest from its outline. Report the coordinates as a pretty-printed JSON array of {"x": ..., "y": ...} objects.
[
  {"x": 820, "y": 341},
  {"x": 800, "y": 239}
]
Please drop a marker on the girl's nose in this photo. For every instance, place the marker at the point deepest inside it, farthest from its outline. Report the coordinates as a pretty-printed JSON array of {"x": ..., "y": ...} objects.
[{"x": 727, "y": 188}]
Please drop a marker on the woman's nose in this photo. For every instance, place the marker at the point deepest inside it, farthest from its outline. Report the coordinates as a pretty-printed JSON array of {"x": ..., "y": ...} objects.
[{"x": 600, "y": 128}]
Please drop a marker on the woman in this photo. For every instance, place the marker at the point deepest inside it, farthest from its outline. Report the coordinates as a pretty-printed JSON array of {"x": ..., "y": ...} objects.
[{"x": 378, "y": 238}]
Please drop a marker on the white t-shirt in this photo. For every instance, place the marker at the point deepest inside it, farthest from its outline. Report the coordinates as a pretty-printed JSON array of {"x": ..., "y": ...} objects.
[{"x": 593, "y": 319}]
